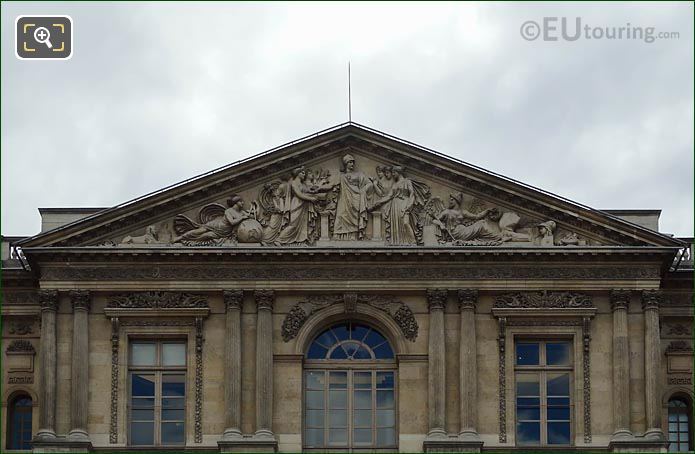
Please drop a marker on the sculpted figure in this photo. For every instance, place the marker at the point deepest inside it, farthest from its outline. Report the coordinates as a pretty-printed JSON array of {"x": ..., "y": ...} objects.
[
  {"x": 300, "y": 213},
  {"x": 150, "y": 237},
  {"x": 400, "y": 200},
  {"x": 272, "y": 199},
  {"x": 216, "y": 223},
  {"x": 546, "y": 230},
  {"x": 351, "y": 209}
]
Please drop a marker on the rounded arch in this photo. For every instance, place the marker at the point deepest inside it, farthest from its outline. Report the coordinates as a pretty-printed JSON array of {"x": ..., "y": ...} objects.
[
  {"x": 324, "y": 318},
  {"x": 679, "y": 392},
  {"x": 14, "y": 391}
]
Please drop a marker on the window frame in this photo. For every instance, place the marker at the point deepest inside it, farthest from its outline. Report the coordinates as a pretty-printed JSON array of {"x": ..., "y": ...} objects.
[
  {"x": 11, "y": 412},
  {"x": 374, "y": 366},
  {"x": 687, "y": 411},
  {"x": 542, "y": 370},
  {"x": 158, "y": 370}
]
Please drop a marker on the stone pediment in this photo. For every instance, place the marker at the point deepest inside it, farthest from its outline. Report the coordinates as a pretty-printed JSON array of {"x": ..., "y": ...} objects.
[{"x": 349, "y": 187}]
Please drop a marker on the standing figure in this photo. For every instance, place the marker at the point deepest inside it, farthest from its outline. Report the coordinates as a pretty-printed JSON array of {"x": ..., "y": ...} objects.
[
  {"x": 300, "y": 212},
  {"x": 351, "y": 210},
  {"x": 272, "y": 199},
  {"x": 399, "y": 222}
]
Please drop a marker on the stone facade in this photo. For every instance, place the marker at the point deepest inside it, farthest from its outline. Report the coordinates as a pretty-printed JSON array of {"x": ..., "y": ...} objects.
[{"x": 246, "y": 266}]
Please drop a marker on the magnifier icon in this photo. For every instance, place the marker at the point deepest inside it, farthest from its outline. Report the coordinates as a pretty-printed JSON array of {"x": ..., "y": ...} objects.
[{"x": 43, "y": 36}]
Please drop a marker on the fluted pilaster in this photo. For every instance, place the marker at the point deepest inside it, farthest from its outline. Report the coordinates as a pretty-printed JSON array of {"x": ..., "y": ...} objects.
[
  {"x": 620, "y": 301},
  {"x": 48, "y": 300},
  {"x": 264, "y": 362},
  {"x": 80, "y": 364},
  {"x": 436, "y": 301},
  {"x": 651, "y": 300},
  {"x": 468, "y": 368},
  {"x": 233, "y": 301}
]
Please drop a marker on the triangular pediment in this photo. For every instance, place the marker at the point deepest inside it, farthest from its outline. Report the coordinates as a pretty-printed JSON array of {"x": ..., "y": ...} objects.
[{"x": 349, "y": 187}]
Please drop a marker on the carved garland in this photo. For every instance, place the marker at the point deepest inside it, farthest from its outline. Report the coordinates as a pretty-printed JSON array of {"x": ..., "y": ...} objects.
[
  {"x": 21, "y": 346},
  {"x": 543, "y": 299},
  {"x": 158, "y": 300},
  {"x": 300, "y": 312}
]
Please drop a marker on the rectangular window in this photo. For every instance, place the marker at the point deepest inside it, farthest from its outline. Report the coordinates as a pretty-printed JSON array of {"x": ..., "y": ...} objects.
[
  {"x": 543, "y": 373},
  {"x": 157, "y": 383}
]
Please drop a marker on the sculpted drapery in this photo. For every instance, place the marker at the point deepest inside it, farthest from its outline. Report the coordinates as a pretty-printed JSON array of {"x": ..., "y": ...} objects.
[
  {"x": 402, "y": 199},
  {"x": 351, "y": 210},
  {"x": 301, "y": 219}
]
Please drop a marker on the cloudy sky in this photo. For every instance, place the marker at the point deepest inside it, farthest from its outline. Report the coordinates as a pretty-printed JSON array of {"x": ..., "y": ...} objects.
[{"x": 157, "y": 93}]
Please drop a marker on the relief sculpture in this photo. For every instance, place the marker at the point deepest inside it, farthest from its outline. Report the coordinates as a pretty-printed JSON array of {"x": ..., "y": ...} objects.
[{"x": 355, "y": 207}]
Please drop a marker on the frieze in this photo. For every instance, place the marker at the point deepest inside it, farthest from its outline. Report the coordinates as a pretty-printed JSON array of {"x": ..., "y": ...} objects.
[
  {"x": 544, "y": 299},
  {"x": 21, "y": 327},
  {"x": 21, "y": 346},
  {"x": 158, "y": 300},
  {"x": 22, "y": 297},
  {"x": 300, "y": 312},
  {"x": 678, "y": 329},
  {"x": 274, "y": 272},
  {"x": 679, "y": 346}
]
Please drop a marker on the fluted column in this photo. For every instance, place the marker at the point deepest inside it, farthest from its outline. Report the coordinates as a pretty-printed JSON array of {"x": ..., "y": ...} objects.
[
  {"x": 47, "y": 396},
  {"x": 468, "y": 368},
  {"x": 233, "y": 301},
  {"x": 652, "y": 362},
  {"x": 436, "y": 301},
  {"x": 264, "y": 362},
  {"x": 80, "y": 364},
  {"x": 620, "y": 301}
]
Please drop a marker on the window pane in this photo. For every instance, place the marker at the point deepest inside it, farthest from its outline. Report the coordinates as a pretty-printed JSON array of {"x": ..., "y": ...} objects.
[
  {"x": 315, "y": 380},
  {"x": 684, "y": 426},
  {"x": 362, "y": 436},
  {"x": 528, "y": 401},
  {"x": 385, "y": 437},
  {"x": 316, "y": 351},
  {"x": 174, "y": 354},
  {"x": 383, "y": 351},
  {"x": 673, "y": 427},
  {"x": 557, "y": 354},
  {"x": 384, "y": 380},
  {"x": 384, "y": 399},
  {"x": 337, "y": 399},
  {"x": 558, "y": 433},
  {"x": 327, "y": 339},
  {"x": 172, "y": 433},
  {"x": 173, "y": 385},
  {"x": 362, "y": 380},
  {"x": 527, "y": 354},
  {"x": 173, "y": 403},
  {"x": 341, "y": 331},
  {"x": 363, "y": 399},
  {"x": 143, "y": 403},
  {"x": 362, "y": 353},
  {"x": 338, "y": 380},
  {"x": 142, "y": 433},
  {"x": 683, "y": 436},
  {"x": 143, "y": 354},
  {"x": 559, "y": 401},
  {"x": 527, "y": 385},
  {"x": 173, "y": 415},
  {"x": 337, "y": 418},
  {"x": 314, "y": 418},
  {"x": 528, "y": 413},
  {"x": 314, "y": 437},
  {"x": 374, "y": 338},
  {"x": 362, "y": 418},
  {"x": 337, "y": 436},
  {"x": 558, "y": 384},
  {"x": 142, "y": 415},
  {"x": 558, "y": 413},
  {"x": 528, "y": 433},
  {"x": 358, "y": 331},
  {"x": 314, "y": 399},
  {"x": 142, "y": 385},
  {"x": 385, "y": 418},
  {"x": 339, "y": 353}
]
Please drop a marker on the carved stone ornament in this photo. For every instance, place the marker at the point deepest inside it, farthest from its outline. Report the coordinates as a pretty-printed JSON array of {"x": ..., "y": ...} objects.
[
  {"x": 300, "y": 312},
  {"x": 21, "y": 327},
  {"x": 21, "y": 346},
  {"x": 265, "y": 299},
  {"x": 436, "y": 299},
  {"x": 158, "y": 300},
  {"x": 542, "y": 300},
  {"x": 651, "y": 299},
  {"x": 468, "y": 298},
  {"x": 620, "y": 299},
  {"x": 113, "y": 423},
  {"x": 678, "y": 329},
  {"x": 233, "y": 299},
  {"x": 48, "y": 299},
  {"x": 80, "y": 300},
  {"x": 679, "y": 346},
  {"x": 17, "y": 298}
]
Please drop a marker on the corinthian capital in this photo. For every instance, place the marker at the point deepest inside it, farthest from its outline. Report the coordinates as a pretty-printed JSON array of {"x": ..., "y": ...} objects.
[
  {"x": 620, "y": 299},
  {"x": 651, "y": 299},
  {"x": 80, "y": 300},
  {"x": 233, "y": 299},
  {"x": 436, "y": 298},
  {"x": 264, "y": 299},
  {"x": 467, "y": 298},
  {"x": 48, "y": 299}
]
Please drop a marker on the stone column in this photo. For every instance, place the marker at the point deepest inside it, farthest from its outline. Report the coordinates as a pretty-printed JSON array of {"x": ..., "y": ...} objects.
[
  {"x": 468, "y": 368},
  {"x": 652, "y": 363},
  {"x": 47, "y": 397},
  {"x": 264, "y": 363},
  {"x": 233, "y": 301},
  {"x": 436, "y": 301},
  {"x": 80, "y": 364},
  {"x": 620, "y": 301}
]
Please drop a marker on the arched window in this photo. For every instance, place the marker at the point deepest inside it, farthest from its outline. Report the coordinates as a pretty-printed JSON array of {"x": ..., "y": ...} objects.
[
  {"x": 679, "y": 431},
  {"x": 19, "y": 422},
  {"x": 350, "y": 389}
]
